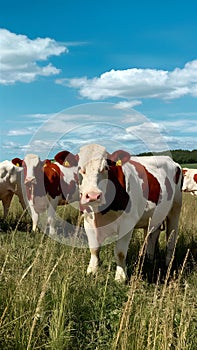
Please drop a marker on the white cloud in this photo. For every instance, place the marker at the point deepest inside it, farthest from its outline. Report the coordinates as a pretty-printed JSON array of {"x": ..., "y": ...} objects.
[
  {"x": 21, "y": 132},
  {"x": 181, "y": 125},
  {"x": 144, "y": 128},
  {"x": 137, "y": 83},
  {"x": 127, "y": 104},
  {"x": 20, "y": 57}
]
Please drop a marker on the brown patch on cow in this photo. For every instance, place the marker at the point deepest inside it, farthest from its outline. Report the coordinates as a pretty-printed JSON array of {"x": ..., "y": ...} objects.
[
  {"x": 184, "y": 171},
  {"x": 66, "y": 158},
  {"x": 150, "y": 186},
  {"x": 95, "y": 251},
  {"x": 177, "y": 175},
  {"x": 168, "y": 188},
  {"x": 52, "y": 175},
  {"x": 121, "y": 258},
  {"x": 118, "y": 173},
  {"x": 195, "y": 178},
  {"x": 121, "y": 199}
]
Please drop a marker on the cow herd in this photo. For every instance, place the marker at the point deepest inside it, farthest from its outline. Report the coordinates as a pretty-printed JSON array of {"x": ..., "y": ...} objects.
[{"x": 116, "y": 193}]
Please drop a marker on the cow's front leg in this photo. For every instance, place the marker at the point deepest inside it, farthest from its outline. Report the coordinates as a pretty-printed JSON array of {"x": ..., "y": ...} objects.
[
  {"x": 51, "y": 215},
  {"x": 6, "y": 200},
  {"x": 94, "y": 245},
  {"x": 94, "y": 261},
  {"x": 120, "y": 252},
  {"x": 34, "y": 216}
]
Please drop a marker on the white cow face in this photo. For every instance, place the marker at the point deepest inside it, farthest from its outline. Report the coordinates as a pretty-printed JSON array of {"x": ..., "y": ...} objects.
[
  {"x": 93, "y": 182},
  {"x": 31, "y": 164},
  {"x": 92, "y": 175},
  {"x": 190, "y": 181}
]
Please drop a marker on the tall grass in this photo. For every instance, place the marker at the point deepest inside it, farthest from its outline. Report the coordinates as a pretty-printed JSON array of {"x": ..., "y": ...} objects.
[{"x": 48, "y": 302}]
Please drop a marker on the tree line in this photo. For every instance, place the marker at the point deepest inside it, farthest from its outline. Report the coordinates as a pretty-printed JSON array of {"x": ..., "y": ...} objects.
[{"x": 180, "y": 156}]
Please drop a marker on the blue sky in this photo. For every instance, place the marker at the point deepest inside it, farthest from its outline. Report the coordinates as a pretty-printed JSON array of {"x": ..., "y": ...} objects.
[{"x": 121, "y": 73}]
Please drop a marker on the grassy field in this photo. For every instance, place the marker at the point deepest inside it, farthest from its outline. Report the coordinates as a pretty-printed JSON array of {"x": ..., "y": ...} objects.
[{"x": 48, "y": 302}]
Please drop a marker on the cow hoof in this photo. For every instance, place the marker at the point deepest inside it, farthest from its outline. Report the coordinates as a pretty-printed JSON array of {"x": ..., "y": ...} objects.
[
  {"x": 120, "y": 275},
  {"x": 92, "y": 270}
]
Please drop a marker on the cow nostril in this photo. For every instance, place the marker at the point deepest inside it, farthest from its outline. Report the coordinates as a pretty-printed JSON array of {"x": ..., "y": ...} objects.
[
  {"x": 93, "y": 196},
  {"x": 30, "y": 180}
]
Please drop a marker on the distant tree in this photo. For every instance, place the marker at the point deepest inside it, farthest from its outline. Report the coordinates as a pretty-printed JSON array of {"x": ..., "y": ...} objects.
[{"x": 180, "y": 156}]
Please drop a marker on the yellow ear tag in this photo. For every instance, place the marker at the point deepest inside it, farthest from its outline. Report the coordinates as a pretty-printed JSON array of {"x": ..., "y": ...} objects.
[
  {"x": 44, "y": 166},
  {"x": 17, "y": 164},
  {"x": 66, "y": 163},
  {"x": 119, "y": 162}
]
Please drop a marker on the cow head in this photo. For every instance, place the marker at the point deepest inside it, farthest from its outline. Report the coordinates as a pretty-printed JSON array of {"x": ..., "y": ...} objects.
[
  {"x": 32, "y": 165},
  {"x": 101, "y": 179},
  {"x": 68, "y": 164},
  {"x": 190, "y": 181},
  {"x": 92, "y": 174},
  {"x": 33, "y": 173}
]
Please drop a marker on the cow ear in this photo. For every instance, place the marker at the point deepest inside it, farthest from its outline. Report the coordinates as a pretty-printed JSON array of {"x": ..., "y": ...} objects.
[
  {"x": 66, "y": 159},
  {"x": 72, "y": 159},
  {"x": 120, "y": 157},
  {"x": 17, "y": 161},
  {"x": 60, "y": 157}
]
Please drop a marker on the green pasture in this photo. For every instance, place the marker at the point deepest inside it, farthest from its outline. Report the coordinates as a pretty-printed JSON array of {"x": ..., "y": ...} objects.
[
  {"x": 48, "y": 302},
  {"x": 190, "y": 166}
]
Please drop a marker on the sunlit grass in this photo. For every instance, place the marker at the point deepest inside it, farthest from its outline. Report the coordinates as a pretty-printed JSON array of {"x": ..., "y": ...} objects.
[{"x": 48, "y": 302}]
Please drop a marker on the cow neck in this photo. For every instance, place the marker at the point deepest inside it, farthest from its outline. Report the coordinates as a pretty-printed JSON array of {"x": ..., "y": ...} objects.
[
  {"x": 51, "y": 183},
  {"x": 121, "y": 200},
  {"x": 68, "y": 189}
]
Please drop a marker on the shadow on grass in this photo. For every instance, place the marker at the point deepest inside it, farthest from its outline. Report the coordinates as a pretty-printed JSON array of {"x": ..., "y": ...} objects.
[{"x": 151, "y": 270}]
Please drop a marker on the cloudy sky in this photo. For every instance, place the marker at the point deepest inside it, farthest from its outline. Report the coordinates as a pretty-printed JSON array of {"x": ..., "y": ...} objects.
[{"x": 120, "y": 73}]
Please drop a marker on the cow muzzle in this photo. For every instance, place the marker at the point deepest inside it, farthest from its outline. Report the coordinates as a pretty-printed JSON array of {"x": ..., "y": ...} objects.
[
  {"x": 91, "y": 197},
  {"x": 30, "y": 180}
]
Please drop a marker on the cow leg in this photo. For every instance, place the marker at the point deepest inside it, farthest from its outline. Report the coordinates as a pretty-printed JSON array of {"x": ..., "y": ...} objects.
[
  {"x": 151, "y": 243},
  {"x": 21, "y": 200},
  {"x": 34, "y": 216},
  {"x": 94, "y": 247},
  {"x": 172, "y": 231},
  {"x": 51, "y": 215},
  {"x": 94, "y": 261},
  {"x": 120, "y": 252},
  {"x": 6, "y": 200}
]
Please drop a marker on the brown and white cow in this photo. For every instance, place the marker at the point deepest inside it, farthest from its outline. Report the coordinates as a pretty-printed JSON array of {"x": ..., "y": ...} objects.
[
  {"x": 190, "y": 181},
  {"x": 10, "y": 184},
  {"x": 47, "y": 185},
  {"x": 119, "y": 193}
]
